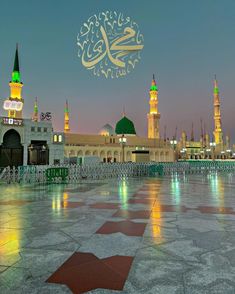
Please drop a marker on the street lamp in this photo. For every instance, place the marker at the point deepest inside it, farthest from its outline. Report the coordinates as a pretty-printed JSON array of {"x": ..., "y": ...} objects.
[
  {"x": 122, "y": 141},
  {"x": 208, "y": 151},
  {"x": 213, "y": 145},
  {"x": 202, "y": 154},
  {"x": 222, "y": 154},
  {"x": 229, "y": 153},
  {"x": 183, "y": 152},
  {"x": 174, "y": 144}
]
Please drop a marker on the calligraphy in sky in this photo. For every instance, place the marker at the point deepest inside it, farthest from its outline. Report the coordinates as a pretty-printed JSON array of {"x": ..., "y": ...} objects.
[{"x": 109, "y": 44}]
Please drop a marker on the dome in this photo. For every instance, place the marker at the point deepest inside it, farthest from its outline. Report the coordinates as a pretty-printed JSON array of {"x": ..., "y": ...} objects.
[
  {"x": 125, "y": 127},
  {"x": 107, "y": 130}
]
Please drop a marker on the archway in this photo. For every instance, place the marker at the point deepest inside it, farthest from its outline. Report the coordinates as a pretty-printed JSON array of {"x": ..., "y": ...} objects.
[
  {"x": 11, "y": 150},
  {"x": 88, "y": 153},
  {"x": 38, "y": 153},
  {"x": 116, "y": 156},
  {"x": 103, "y": 156}
]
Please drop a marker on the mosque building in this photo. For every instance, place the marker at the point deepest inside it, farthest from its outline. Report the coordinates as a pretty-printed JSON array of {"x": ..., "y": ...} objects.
[
  {"x": 25, "y": 141},
  {"x": 32, "y": 141},
  {"x": 214, "y": 147},
  {"x": 108, "y": 145}
]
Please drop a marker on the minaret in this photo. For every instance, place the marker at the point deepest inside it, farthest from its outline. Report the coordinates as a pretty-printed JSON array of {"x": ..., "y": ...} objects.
[
  {"x": 192, "y": 134},
  {"x": 153, "y": 115},
  {"x": 35, "y": 111},
  {"x": 15, "y": 90},
  {"x": 184, "y": 139},
  {"x": 218, "y": 134},
  {"x": 66, "y": 118}
]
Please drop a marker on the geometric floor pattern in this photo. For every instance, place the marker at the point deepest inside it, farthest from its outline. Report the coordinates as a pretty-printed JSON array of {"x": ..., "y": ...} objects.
[
  {"x": 126, "y": 227},
  {"x": 171, "y": 234},
  {"x": 83, "y": 272}
]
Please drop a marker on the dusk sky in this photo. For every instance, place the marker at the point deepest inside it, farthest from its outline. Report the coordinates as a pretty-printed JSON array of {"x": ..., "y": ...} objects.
[{"x": 186, "y": 42}]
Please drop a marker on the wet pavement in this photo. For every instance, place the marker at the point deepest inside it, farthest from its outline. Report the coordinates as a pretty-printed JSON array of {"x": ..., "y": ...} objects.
[{"x": 174, "y": 234}]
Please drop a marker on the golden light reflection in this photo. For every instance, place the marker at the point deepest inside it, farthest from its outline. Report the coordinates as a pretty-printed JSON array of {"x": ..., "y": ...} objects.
[
  {"x": 59, "y": 201},
  {"x": 56, "y": 202},
  {"x": 10, "y": 239},
  {"x": 65, "y": 200},
  {"x": 156, "y": 215},
  {"x": 123, "y": 193}
]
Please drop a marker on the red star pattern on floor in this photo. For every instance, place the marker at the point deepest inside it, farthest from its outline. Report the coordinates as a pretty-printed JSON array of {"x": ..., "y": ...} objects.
[
  {"x": 84, "y": 272},
  {"x": 103, "y": 205},
  {"x": 132, "y": 214},
  {"x": 216, "y": 210},
  {"x": 67, "y": 204},
  {"x": 126, "y": 227},
  {"x": 15, "y": 202}
]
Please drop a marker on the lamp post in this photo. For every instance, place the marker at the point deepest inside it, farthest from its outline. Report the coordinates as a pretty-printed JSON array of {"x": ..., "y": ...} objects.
[
  {"x": 122, "y": 142},
  {"x": 222, "y": 154},
  {"x": 202, "y": 152},
  {"x": 184, "y": 153},
  {"x": 213, "y": 144},
  {"x": 174, "y": 144},
  {"x": 229, "y": 153},
  {"x": 208, "y": 151}
]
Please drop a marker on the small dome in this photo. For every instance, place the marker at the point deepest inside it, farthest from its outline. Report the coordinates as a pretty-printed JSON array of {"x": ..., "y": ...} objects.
[
  {"x": 125, "y": 127},
  {"x": 107, "y": 130}
]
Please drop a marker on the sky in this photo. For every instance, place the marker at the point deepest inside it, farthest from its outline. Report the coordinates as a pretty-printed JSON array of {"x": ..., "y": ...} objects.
[{"x": 186, "y": 42}]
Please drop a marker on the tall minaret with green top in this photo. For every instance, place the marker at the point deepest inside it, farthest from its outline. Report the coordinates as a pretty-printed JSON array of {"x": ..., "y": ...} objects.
[
  {"x": 218, "y": 134},
  {"x": 35, "y": 111},
  {"x": 16, "y": 101},
  {"x": 66, "y": 118},
  {"x": 153, "y": 115}
]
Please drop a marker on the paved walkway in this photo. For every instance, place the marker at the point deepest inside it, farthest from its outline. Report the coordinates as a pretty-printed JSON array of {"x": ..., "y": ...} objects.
[{"x": 157, "y": 235}]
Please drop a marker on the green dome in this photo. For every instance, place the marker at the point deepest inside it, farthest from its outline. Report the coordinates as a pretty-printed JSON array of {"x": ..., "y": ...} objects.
[{"x": 125, "y": 127}]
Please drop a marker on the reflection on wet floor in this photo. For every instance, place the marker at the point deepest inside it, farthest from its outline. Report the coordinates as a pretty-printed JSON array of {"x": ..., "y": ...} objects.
[{"x": 174, "y": 225}]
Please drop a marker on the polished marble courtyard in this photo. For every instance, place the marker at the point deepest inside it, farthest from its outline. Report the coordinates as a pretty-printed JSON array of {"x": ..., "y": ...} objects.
[{"x": 172, "y": 234}]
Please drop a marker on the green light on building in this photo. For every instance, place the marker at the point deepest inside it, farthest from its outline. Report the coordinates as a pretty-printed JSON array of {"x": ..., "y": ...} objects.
[{"x": 16, "y": 77}]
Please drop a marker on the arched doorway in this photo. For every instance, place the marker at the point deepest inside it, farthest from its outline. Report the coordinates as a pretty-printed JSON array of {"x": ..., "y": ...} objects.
[
  {"x": 11, "y": 150},
  {"x": 38, "y": 153}
]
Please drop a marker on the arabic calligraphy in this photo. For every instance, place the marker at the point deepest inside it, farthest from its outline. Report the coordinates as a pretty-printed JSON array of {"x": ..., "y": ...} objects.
[
  {"x": 46, "y": 116},
  {"x": 110, "y": 44}
]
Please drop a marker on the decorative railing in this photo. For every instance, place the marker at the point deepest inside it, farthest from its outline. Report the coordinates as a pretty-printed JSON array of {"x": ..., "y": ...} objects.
[
  {"x": 75, "y": 173},
  {"x": 2, "y": 172}
]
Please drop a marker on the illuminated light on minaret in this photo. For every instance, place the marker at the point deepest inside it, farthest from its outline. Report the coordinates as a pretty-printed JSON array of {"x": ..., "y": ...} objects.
[
  {"x": 66, "y": 118},
  {"x": 14, "y": 104},
  {"x": 218, "y": 134},
  {"x": 35, "y": 111},
  {"x": 153, "y": 115}
]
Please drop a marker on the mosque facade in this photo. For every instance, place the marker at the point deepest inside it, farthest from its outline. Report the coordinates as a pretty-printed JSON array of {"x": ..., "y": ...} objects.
[
  {"x": 108, "y": 145},
  {"x": 32, "y": 141},
  {"x": 25, "y": 141},
  {"x": 216, "y": 146}
]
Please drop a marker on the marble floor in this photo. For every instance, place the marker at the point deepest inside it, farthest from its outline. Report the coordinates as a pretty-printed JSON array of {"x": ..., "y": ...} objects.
[{"x": 174, "y": 234}]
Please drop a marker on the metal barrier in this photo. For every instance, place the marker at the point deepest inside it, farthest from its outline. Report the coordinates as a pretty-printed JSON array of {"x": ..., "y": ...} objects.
[{"x": 75, "y": 173}]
